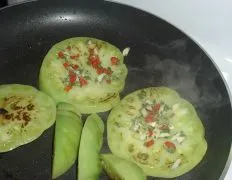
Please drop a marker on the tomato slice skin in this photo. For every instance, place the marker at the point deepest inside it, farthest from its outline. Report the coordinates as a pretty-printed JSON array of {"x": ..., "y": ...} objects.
[
  {"x": 91, "y": 66},
  {"x": 158, "y": 130},
  {"x": 28, "y": 113},
  {"x": 67, "y": 139},
  {"x": 121, "y": 168},
  {"x": 90, "y": 146}
]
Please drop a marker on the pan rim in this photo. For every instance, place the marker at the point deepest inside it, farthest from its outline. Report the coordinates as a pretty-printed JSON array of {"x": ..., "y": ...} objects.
[
  {"x": 229, "y": 159},
  {"x": 229, "y": 92}
]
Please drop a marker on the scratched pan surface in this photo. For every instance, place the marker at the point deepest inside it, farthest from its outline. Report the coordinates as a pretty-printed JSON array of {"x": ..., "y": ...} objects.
[{"x": 160, "y": 55}]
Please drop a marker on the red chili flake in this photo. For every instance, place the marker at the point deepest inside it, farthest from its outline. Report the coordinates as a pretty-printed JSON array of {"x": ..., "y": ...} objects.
[
  {"x": 75, "y": 66},
  {"x": 100, "y": 70},
  {"x": 74, "y": 56},
  {"x": 156, "y": 107},
  {"x": 72, "y": 77},
  {"x": 94, "y": 61},
  {"x": 68, "y": 48},
  {"x": 149, "y": 143},
  {"x": 83, "y": 81},
  {"x": 170, "y": 147},
  {"x": 114, "y": 60},
  {"x": 65, "y": 64},
  {"x": 68, "y": 88},
  {"x": 150, "y": 133},
  {"x": 149, "y": 118},
  {"x": 107, "y": 71},
  {"x": 60, "y": 54}
]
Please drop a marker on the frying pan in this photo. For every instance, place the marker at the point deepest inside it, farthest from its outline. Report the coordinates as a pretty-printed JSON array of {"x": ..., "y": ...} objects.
[{"x": 160, "y": 55}]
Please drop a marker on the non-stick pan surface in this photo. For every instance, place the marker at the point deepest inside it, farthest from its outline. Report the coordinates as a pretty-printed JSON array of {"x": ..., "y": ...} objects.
[{"x": 160, "y": 55}]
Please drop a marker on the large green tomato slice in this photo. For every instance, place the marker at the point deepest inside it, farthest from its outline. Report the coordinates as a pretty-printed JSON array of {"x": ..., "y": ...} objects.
[
  {"x": 158, "y": 130},
  {"x": 89, "y": 167},
  {"x": 67, "y": 139},
  {"x": 86, "y": 72},
  {"x": 25, "y": 113},
  {"x": 118, "y": 168}
]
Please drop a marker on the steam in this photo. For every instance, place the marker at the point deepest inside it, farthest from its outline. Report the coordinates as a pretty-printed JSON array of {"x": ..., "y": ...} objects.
[
  {"x": 183, "y": 78},
  {"x": 192, "y": 80}
]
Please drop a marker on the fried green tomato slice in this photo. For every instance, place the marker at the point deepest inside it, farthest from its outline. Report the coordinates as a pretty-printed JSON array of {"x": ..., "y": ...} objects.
[
  {"x": 121, "y": 169},
  {"x": 25, "y": 113},
  {"x": 67, "y": 139},
  {"x": 89, "y": 167},
  {"x": 87, "y": 72},
  {"x": 158, "y": 130}
]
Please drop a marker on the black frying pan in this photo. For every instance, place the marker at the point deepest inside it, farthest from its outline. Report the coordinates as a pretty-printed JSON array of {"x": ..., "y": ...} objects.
[{"x": 160, "y": 55}]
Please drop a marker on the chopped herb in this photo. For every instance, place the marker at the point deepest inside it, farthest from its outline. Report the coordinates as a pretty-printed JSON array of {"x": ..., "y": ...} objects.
[
  {"x": 154, "y": 101},
  {"x": 165, "y": 131},
  {"x": 117, "y": 124},
  {"x": 142, "y": 94},
  {"x": 179, "y": 137},
  {"x": 182, "y": 134},
  {"x": 81, "y": 71},
  {"x": 114, "y": 77},
  {"x": 166, "y": 108},
  {"x": 164, "y": 135},
  {"x": 162, "y": 103},
  {"x": 87, "y": 77},
  {"x": 144, "y": 105}
]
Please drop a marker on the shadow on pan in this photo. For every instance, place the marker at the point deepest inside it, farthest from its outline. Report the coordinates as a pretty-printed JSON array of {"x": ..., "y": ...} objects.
[{"x": 160, "y": 55}]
